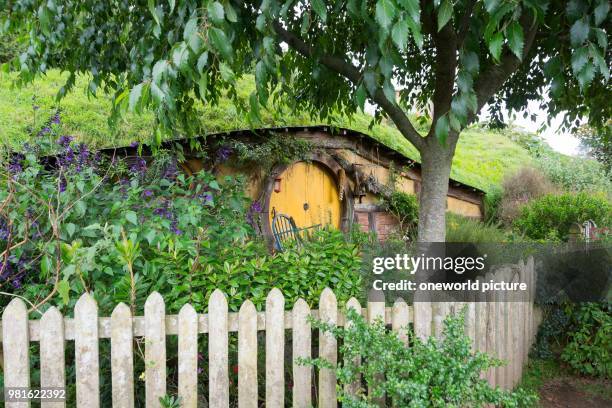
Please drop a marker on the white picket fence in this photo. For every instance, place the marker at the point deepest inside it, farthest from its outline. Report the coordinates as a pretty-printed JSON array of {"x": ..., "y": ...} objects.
[{"x": 502, "y": 329}]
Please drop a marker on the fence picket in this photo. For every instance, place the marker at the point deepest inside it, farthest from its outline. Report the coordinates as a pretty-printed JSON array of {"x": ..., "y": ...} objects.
[
  {"x": 16, "y": 348},
  {"x": 275, "y": 349},
  {"x": 491, "y": 322},
  {"x": 517, "y": 350},
  {"x": 87, "y": 362},
  {"x": 302, "y": 375},
  {"x": 218, "y": 377},
  {"x": 328, "y": 313},
  {"x": 355, "y": 386},
  {"x": 122, "y": 360},
  {"x": 400, "y": 319},
  {"x": 376, "y": 310},
  {"x": 52, "y": 359},
  {"x": 422, "y": 318},
  {"x": 247, "y": 356},
  {"x": 470, "y": 322},
  {"x": 155, "y": 349},
  {"x": 188, "y": 356}
]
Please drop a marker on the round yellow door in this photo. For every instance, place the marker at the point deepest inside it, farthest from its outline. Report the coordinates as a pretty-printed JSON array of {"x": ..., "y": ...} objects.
[{"x": 308, "y": 193}]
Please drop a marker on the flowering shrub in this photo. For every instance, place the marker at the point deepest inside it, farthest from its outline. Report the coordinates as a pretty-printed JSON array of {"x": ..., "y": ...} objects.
[{"x": 79, "y": 222}]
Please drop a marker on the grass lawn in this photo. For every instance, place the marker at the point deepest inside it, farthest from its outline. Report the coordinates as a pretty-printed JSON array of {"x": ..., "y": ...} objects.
[{"x": 482, "y": 159}]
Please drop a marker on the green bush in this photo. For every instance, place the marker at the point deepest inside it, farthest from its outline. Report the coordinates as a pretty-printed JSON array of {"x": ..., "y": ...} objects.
[
  {"x": 589, "y": 347},
  {"x": 433, "y": 373},
  {"x": 404, "y": 207},
  {"x": 492, "y": 203},
  {"x": 551, "y": 216},
  {"x": 122, "y": 230},
  {"x": 464, "y": 229},
  {"x": 575, "y": 173}
]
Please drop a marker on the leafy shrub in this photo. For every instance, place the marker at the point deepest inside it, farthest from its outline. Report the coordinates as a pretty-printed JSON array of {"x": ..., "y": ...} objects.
[
  {"x": 575, "y": 173},
  {"x": 464, "y": 229},
  {"x": 492, "y": 203},
  {"x": 551, "y": 216},
  {"x": 589, "y": 347},
  {"x": 404, "y": 207},
  {"x": 433, "y": 373},
  {"x": 519, "y": 189},
  {"x": 122, "y": 229}
]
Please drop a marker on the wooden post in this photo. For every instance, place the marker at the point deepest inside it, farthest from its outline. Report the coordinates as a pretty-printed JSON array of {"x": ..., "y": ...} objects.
[
  {"x": 87, "y": 362},
  {"x": 52, "y": 359},
  {"x": 275, "y": 349},
  {"x": 155, "y": 349},
  {"x": 247, "y": 356},
  {"x": 302, "y": 375},
  {"x": 218, "y": 359},
  {"x": 328, "y": 313},
  {"x": 355, "y": 387},
  {"x": 122, "y": 363},
  {"x": 188, "y": 356},
  {"x": 16, "y": 348}
]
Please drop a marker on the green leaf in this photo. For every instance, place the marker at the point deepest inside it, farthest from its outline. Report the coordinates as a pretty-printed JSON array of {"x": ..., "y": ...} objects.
[
  {"x": 413, "y": 8},
  {"x": 172, "y": 4},
  {"x": 579, "y": 59},
  {"x": 153, "y": 10},
  {"x": 180, "y": 57},
  {"x": 226, "y": 72},
  {"x": 202, "y": 62},
  {"x": 203, "y": 85},
  {"x": 70, "y": 229},
  {"x": 214, "y": 185},
  {"x": 216, "y": 12},
  {"x": 158, "y": 94},
  {"x": 132, "y": 217},
  {"x": 319, "y": 7},
  {"x": 385, "y": 13},
  {"x": 63, "y": 288},
  {"x": 389, "y": 91},
  {"x": 190, "y": 28},
  {"x": 221, "y": 43},
  {"x": 579, "y": 32},
  {"x": 45, "y": 266},
  {"x": 135, "y": 95},
  {"x": 254, "y": 105},
  {"x": 464, "y": 81},
  {"x": 442, "y": 128},
  {"x": 416, "y": 33},
  {"x": 45, "y": 19},
  {"x": 445, "y": 12},
  {"x": 601, "y": 12},
  {"x": 516, "y": 41},
  {"x": 586, "y": 75},
  {"x": 360, "y": 96},
  {"x": 159, "y": 69},
  {"x": 370, "y": 82},
  {"x": 399, "y": 34},
  {"x": 495, "y": 45},
  {"x": 230, "y": 13}
]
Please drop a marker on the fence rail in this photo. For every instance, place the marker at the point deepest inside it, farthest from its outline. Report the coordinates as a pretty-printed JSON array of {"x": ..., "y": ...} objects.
[{"x": 503, "y": 329}]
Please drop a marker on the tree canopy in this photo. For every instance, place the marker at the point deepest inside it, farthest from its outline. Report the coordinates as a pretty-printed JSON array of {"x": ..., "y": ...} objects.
[{"x": 331, "y": 56}]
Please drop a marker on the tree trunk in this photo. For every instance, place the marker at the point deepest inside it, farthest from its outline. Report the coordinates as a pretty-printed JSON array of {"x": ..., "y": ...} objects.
[{"x": 435, "y": 173}]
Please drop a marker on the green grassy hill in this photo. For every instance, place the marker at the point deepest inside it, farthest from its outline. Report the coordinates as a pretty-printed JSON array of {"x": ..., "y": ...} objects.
[{"x": 483, "y": 157}]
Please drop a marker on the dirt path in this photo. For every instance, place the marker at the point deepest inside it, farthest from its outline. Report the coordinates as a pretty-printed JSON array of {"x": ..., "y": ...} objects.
[{"x": 573, "y": 393}]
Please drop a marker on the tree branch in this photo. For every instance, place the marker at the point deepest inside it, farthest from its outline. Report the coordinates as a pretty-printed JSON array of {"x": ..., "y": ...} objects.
[
  {"x": 489, "y": 82},
  {"x": 350, "y": 72}
]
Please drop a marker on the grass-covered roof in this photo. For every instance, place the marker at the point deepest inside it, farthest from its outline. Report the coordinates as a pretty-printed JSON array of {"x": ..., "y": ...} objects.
[{"x": 482, "y": 159}]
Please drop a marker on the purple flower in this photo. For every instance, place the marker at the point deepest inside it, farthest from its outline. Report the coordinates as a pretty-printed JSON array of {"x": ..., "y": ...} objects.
[
  {"x": 14, "y": 166},
  {"x": 4, "y": 230},
  {"x": 44, "y": 130},
  {"x": 35, "y": 107},
  {"x": 56, "y": 118},
  {"x": 147, "y": 193},
  {"x": 174, "y": 228},
  {"x": 134, "y": 144},
  {"x": 252, "y": 214},
  {"x": 64, "y": 141},
  {"x": 224, "y": 153},
  {"x": 139, "y": 167},
  {"x": 62, "y": 185},
  {"x": 207, "y": 197},
  {"x": 82, "y": 155}
]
